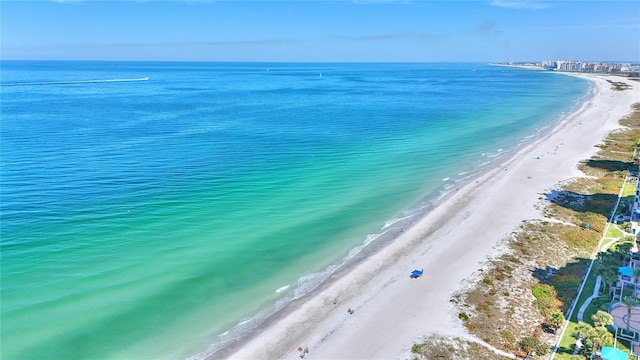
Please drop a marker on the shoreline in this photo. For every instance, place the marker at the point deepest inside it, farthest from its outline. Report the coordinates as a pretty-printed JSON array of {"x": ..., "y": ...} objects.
[
  {"x": 521, "y": 66},
  {"x": 392, "y": 311}
]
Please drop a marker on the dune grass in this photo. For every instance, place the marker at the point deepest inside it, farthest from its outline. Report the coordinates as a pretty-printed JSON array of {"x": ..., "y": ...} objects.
[{"x": 500, "y": 307}]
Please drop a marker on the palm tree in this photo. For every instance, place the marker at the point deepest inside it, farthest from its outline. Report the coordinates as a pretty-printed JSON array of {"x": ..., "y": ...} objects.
[
  {"x": 597, "y": 337},
  {"x": 630, "y": 302},
  {"x": 624, "y": 249},
  {"x": 581, "y": 330},
  {"x": 609, "y": 275},
  {"x": 602, "y": 319},
  {"x": 556, "y": 320}
]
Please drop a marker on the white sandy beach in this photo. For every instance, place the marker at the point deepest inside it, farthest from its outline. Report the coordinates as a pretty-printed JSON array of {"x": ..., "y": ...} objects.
[{"x": 450, "y": 244}]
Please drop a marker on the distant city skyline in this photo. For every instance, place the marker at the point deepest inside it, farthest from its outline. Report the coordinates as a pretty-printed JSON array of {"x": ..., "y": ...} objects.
[
  {"x": 321, "y": 31},
  {"x": 629, "y": 69}
]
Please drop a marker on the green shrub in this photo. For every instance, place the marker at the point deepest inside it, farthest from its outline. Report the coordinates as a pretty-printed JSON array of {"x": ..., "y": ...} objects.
[
  {"x": 546, "y": 299},
  {"x": 529, "y": 344},
  {"x": 543, "y": 291},
  {"x": 605, "y": 306}
]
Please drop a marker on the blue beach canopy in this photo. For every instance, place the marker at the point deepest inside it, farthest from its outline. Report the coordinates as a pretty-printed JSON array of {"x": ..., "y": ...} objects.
[
  {"x": 416, "y": 272},
  {"x": 625, "y": 271},
  {"x": 609, "y": 353}
]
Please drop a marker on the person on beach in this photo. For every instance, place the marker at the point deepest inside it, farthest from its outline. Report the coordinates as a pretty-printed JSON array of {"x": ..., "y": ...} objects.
[
  {"x": 302, "y": 351},
  {"x": 350, "y": 311}
]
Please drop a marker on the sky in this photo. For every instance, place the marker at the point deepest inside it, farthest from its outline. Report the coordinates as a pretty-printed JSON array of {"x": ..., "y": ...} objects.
[{"x": 320, "y": 31}]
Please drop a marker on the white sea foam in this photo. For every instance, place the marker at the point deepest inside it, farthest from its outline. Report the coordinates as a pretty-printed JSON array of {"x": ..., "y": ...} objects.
[
  {"x": 371, "y": 237},
  {"x": 443, "y": 194},
  {"x": 309, "y": 282},
  {"x": 388, "y": 223},
  {"x": 241, "y": 329},
  {"x": 282, "y": 288}
]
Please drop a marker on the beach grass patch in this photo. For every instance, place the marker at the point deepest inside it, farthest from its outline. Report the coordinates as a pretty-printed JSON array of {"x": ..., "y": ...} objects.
[
  {"x": 619, "y": 86},
  {"x": 550, "y": 258},
  {"x": 580, "y": 238},
  {"x": 583, "y": 185},
  {"x": 436, "y": 346},
  {"x": 611, "y": 185},
  {"x": 512, "y": 259},
  {"x": 508, "y": 338}
]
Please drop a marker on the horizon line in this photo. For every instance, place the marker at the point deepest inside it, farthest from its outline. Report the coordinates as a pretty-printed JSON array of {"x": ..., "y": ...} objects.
[{"x": 331, "y": 61}]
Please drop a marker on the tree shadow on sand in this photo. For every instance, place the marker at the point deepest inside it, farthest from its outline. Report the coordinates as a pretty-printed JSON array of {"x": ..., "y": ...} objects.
[
  {"x": 611, "y": 165},
  {"x": 583, "y": 203}
]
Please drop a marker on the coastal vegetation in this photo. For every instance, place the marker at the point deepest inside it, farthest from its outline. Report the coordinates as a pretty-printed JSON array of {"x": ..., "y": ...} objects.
[
  {"x": 619, "y": 86},
  {"x": 518, "y": 300},
  {"x": 441, "y": 347}
]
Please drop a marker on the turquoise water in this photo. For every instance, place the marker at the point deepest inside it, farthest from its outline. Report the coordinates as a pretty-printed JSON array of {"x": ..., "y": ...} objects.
[{"x": 163, "y": 217}]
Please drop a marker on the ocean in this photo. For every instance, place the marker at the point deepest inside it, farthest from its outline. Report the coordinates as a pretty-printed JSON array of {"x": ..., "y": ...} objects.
[{"x": 163, "y": 209}]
